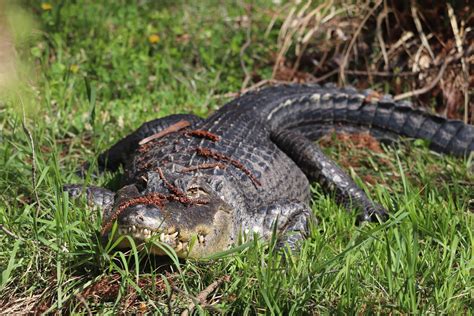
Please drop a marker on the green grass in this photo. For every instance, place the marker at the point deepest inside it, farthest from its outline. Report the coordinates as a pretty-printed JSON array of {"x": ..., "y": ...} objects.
[{"x": 98, "y": 77}]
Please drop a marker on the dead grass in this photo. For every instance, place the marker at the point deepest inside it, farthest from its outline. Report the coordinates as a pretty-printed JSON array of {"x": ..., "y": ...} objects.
[{"x": 411, "y": 49}]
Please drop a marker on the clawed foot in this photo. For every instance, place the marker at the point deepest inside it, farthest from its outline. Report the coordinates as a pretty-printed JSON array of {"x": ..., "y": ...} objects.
[
  {"x": 375, "y": 213},
  {"x": 95, "y": 196}
]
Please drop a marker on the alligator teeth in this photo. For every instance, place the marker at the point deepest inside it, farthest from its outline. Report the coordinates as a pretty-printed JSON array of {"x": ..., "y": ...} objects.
[
  {"x": 170, "y": 236},
  {"x": 181, "y": 246}
]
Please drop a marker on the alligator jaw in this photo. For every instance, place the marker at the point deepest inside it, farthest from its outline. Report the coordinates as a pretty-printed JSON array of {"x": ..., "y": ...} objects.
[
  {"x": 172, "y": 238},
  {"x": 193, "y": 230}
]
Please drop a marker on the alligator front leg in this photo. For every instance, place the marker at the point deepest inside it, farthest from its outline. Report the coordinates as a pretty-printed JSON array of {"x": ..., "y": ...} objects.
[
  {"x": 291, "y": 219},
  {"x": 318, "y": 167}
]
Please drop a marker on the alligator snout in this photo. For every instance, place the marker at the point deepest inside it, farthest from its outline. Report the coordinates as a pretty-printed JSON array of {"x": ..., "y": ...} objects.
[{"x": 142, "y": 216}]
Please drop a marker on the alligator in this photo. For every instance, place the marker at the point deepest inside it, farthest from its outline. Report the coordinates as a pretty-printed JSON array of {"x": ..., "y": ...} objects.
[{"x": 201, "y": 186}]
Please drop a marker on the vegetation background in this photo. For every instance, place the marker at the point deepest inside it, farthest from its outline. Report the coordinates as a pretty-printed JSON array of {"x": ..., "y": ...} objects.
[{"x": 75, "y": 76}]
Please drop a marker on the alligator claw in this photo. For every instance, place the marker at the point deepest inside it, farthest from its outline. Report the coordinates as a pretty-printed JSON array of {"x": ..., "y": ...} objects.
[{"x": 374, "y": 214}]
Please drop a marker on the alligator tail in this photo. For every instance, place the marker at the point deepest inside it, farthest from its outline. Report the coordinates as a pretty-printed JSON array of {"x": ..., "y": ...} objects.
[{"x": 315, "y": 111}]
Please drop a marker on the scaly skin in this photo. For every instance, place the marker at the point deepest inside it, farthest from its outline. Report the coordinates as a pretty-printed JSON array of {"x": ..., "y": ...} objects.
[{"x": 247, "y": 168}]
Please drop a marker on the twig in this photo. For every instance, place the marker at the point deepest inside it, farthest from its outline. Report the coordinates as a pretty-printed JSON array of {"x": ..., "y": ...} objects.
[
  {"x": 393, "y": 74},
  {"x": 262, "y": 83},
  {"x": 9, "y": 233},
  {"x": 419, "y": 28},
  {"x": 433, "y": 83},
  {"x": 343, "y": 65},
  {"x": 402, "y": 41},
  {"x": 325, "y": 76},
  {"x": 381, "y": 73},
  {"x": 170, "y": 129},
  {"x": 380, "y": 18},
  {"x": 305, "y": 40},
  {"x": 426, "y": 88},
  {"x": 417, "y": 66},
  {"x": 458, "y": 40},
  {"x": 274, "y": 18},
  {"x": 284, "y": 40},
  {"x": 202, "y": 296},
  {"x": 251, "y": 88}
]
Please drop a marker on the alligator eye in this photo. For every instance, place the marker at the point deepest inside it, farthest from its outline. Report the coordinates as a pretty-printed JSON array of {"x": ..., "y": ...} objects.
[{"x": 196, "y": 192}]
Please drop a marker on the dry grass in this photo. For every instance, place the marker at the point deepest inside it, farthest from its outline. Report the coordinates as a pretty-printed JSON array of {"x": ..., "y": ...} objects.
[{"x": 425, "y": 49}]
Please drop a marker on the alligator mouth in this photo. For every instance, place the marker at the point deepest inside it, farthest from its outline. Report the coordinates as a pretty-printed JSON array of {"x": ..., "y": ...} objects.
[{"x": 179, "y": 242}]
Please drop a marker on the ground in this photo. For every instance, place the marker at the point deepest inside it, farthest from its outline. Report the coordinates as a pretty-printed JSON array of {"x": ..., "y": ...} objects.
[{"x": 97, "y": 71}]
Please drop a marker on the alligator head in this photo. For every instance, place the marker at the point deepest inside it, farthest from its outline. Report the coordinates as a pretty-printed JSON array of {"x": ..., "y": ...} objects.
[{"x": 195, "y": 223}]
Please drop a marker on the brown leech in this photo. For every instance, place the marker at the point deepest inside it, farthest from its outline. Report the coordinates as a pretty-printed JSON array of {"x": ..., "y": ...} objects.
[
  {"x": 205, "y": 152},
  {"x": 178, "y": 195},
  {"x": 150, "y": 199},
  {"x": 203, "y": 134},
  {"x": 152, "y": 143},
  {"x": 170, "y": 186},
  {"x": 156, "y": 199},
  {"x": 203, "y": 166}
]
